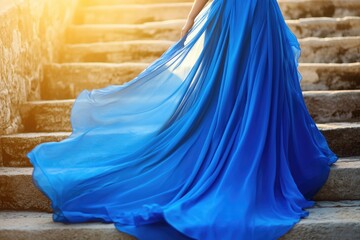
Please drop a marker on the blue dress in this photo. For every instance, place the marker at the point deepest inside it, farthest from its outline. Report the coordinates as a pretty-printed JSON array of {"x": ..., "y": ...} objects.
[{"x": 212, "y": 141}]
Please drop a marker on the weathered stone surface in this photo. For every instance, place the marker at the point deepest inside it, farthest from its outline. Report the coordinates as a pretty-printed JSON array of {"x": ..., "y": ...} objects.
[
  {"x": 336, "y": 204},
  {"x": 324, "y": 106},
  {"x": 318, "y": 50},
  {"x": 17, "y": 192},
  {"x": 170, "y": 30},
  {"x": 66, "y": 81},
  {"x": 116, "y": 52},
  {"x": 333, "y": 220},
  {"x": 331, "y": 76},
  {"x": 1, "y": 155},
  {"x": 319, "y": 8},
  {"x": 333, "y": 106},
  {"x": 30, "y": 34},
  {"x": 47, "y": 116},
  {"x": 40, "y": 226},
  {"x": 343, "y": 176},
  {"x": 15, "y": 146},
  {"x": 134, "y": 13},
  {"x": 328, "y": 220},
  {"x": 325, "y": 27},
  {"x": 323, "y": 223},
  {"x": 139, "y": 13},
  {"x": 330, "y": 50},
  {"x": 119, "y": 2},
  {"x": 343, "y": 138},
  {"x": 89, "y": 33}
]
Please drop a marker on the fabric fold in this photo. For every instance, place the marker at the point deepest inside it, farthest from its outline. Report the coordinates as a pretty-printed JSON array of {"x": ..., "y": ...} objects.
[{"x": 212, "y": 140}]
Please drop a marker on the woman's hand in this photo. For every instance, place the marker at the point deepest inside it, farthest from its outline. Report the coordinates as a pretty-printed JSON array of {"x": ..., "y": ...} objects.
[
  {"x": 188, "y": 25},
  {"x": 197, "y": 6}
]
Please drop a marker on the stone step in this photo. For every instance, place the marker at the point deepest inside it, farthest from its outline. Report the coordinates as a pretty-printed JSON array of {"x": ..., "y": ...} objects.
[
  {"x": 90, "y": 33},
  {"x": 133, "y": 13},
  {"x": 170, "y": 30},
  {"x": 324, "y": 106},
  {"x": 140, "y": 13},
  {"x": 343, "y": 179},
  {"x": 47, "y": 116},
  {"x": 15, "y": 146},
  {"x": 330, "y": 50},
  {"x": 333, "y": 106},
  {"x": 126, "y": 2},
  {"x": 18, "y": 191},
  {"x": 314, "y": 50},
  {"x": 330, "y": 76},
  {"x": 18, "y": 194},
  {"x": 67, "y": 80},
  {"x": 327, "y": 220},
  {"x": 343, "y": 139},
  {"x": 116, "y": 52},
  {"x": 325, "y": 27},
  {"x": 294, "y": 9},
  {"x": 28, "y": 225}
]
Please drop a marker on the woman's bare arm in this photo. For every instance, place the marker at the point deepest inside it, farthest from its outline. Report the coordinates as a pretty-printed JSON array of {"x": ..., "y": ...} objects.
[{"x": 195, "y": 10}]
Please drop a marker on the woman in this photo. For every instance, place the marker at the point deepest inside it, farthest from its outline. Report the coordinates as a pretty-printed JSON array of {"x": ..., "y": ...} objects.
[{"x": 212, "y": 141}]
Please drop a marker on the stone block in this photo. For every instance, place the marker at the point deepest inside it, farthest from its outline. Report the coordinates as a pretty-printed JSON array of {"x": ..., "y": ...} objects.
[
  {"x": 31, "y": 32},
  {"x": 66, "y": 81},
  {"x": 330, "y": 50}
]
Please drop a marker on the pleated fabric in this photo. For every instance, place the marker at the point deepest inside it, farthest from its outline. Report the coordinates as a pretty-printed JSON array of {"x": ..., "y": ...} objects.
[{"x": 211, "y": 141}]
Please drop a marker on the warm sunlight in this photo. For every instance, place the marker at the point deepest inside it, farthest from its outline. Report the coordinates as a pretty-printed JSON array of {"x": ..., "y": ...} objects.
[{"x": 179, "y": 119}]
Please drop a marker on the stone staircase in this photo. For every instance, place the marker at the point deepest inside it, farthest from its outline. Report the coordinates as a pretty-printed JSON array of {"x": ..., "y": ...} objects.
[{"x": 111, "y": 41}]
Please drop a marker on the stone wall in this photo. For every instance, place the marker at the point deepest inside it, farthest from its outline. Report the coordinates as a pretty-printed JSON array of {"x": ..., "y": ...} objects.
[{"x": 31, "y": 34}]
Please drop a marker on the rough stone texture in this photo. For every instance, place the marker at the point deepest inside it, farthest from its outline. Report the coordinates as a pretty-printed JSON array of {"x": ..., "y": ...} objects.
[
  {"x": 319, "y": 8},
  {"x": 324, "y": 106},
  {"x": 333, "y": 106},
  {"x": 17, "y": 192},
  {"x": 330, "y": 76},
  {"x": 331, "y": 220},
  {"x": 170, "y": 30},
  {"x": 89, "y": 33},
  {"x": 328, "y": 220},
  {"x": 47, "y": 116},
  {"x": 1, "y": 155},
  {"x": 134, "y": 13},
  {"x": 40, "y": 226},
  {"x": 344, "y": 175},
  {"x": 325, "y": 27},
  {"x": 330, "y": 50},
  {"x": 318, "y": 50},
  {"x": 343, "y": 138},
  {"x": 15, "y": 146},
  {"x": 122, "y": 13},
  {"x": 118, "y": 2},
  {"x": 116, "y": 52},
  {"x": 66, "y": 81},
  {"x": 30, "y": 34}
]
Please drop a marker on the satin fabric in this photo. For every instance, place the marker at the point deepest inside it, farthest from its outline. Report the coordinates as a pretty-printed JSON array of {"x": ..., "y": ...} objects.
[{"x": 212, "y": 141}]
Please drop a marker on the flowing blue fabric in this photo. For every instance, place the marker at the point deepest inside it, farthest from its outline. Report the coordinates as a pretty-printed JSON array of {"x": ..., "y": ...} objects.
[{"x": 212, "y": 141}]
